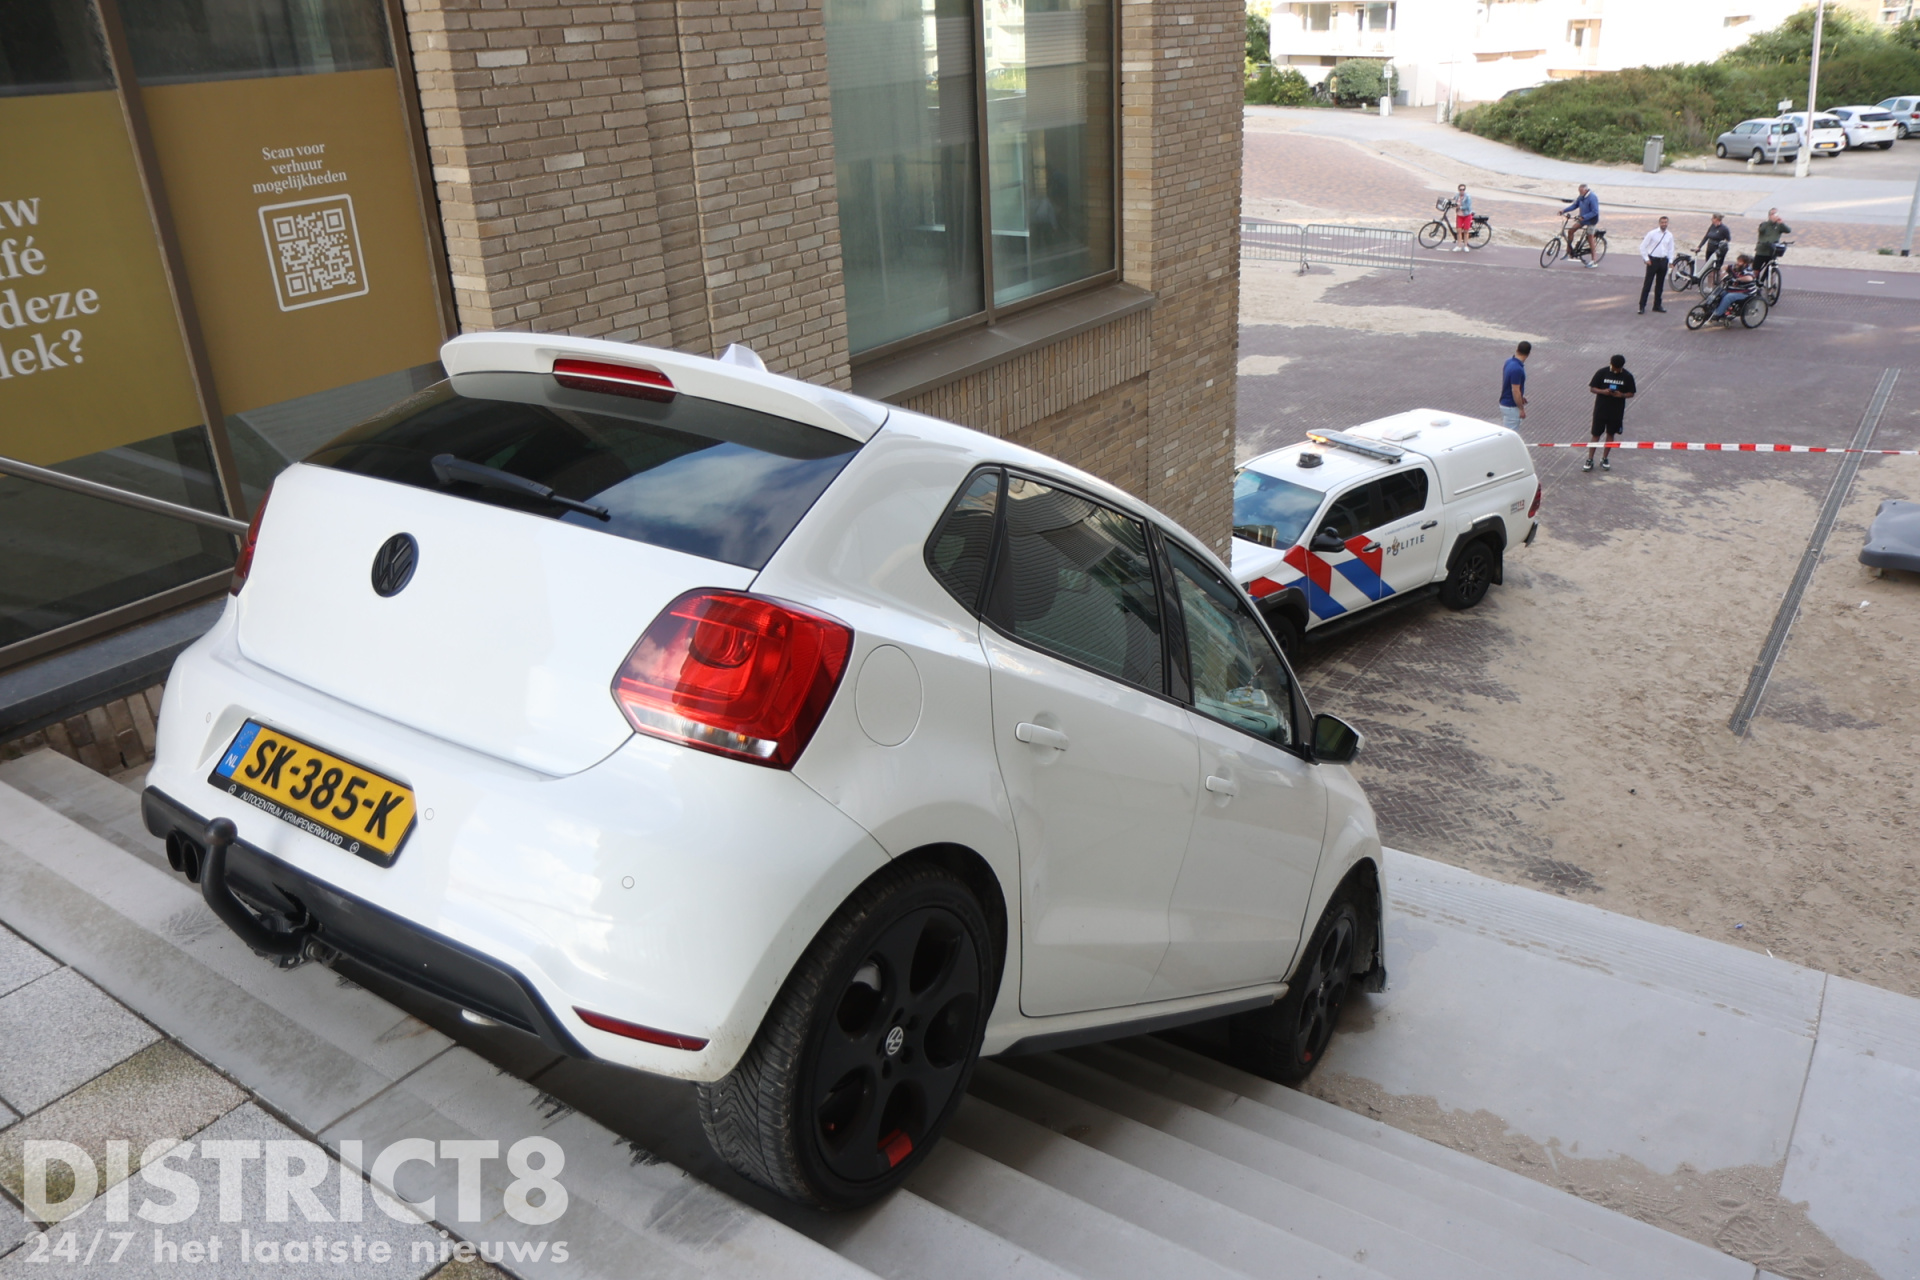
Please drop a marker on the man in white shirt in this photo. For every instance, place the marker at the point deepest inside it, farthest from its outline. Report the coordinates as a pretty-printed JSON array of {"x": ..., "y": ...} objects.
[{"x": 1656, "y": 250}]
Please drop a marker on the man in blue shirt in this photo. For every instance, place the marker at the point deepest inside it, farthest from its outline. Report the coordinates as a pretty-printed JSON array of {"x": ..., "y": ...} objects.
[
  {"x": 1587, "y": 205},
  {"x": 1513, "y": 387}
]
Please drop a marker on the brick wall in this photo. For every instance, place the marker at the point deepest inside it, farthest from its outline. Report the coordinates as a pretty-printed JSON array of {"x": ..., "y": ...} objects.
[{"x": 658, "y": 172}]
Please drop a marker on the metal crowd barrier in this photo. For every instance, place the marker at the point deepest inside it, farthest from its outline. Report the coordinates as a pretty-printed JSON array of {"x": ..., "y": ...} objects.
[{"x": 1326, "y": 244}]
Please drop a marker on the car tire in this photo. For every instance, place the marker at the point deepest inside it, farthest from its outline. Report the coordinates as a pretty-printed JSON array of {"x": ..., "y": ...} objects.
[
  {"x": 868, "y": 1048},
  {"x": 1901, "y": 131},
  {"x": 1720, "y": 149},
  {"x": 1472, "y": 574},
  {"x": 1758, "y": 156},
  {"x": 1289, "y": 634},
  {"x": 1885, "y": 146},
  {"x": 1286, "y": 1040}
]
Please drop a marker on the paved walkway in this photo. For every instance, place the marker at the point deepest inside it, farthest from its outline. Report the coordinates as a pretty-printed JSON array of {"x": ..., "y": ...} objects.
[{"x": 1872, "y": 188}]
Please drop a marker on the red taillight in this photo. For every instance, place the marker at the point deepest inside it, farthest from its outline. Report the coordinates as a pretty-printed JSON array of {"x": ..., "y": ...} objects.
[
  {"x": 1534, "y": 510},
  {"x": 619, "y": 379},
  {"x": 634, "y": 1031},
  {"x": 244, "y": 565},
  {"x": 734, "y": 674}
]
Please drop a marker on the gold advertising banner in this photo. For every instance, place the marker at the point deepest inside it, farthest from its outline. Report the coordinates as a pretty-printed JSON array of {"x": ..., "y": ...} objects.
[
  {"x": 90, "y": 353},
  {"x": 299, "y": 220}
]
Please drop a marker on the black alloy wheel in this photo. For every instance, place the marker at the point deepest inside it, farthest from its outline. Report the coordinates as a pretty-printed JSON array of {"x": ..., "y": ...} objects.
[
  {"x": 1289, "y": 634},
  {"x": 1472, "y": 574},
  {"x": 1287, "y": 1041},
  {"x": 867, "y": 1050}
]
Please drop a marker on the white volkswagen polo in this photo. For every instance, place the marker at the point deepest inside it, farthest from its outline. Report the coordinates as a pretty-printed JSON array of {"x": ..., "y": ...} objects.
[{"x": 735, "y": 729}]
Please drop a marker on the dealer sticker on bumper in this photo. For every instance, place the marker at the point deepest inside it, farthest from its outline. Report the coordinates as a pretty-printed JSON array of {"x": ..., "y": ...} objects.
[{"x": 348, "y": 805}]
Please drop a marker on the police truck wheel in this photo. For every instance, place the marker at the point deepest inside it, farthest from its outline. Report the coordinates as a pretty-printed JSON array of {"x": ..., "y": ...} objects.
[
  {"x": 1472, "y": 573},
  {"x": 867, "y": 1049},
  {"x": 1288, "y": 633},
  {"x": 1286, "y": 1041}
]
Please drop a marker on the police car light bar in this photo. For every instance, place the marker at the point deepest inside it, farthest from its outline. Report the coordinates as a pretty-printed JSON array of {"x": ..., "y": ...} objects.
[{"x": 1354, "y": 444}]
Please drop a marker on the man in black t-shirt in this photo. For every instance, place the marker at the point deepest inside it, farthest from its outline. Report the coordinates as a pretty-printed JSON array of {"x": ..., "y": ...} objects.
[{"x": 1612, "y": 387}]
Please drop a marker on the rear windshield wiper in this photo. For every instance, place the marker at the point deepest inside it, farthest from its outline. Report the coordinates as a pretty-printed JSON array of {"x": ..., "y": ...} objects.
[{"x": 447, "y": 469}]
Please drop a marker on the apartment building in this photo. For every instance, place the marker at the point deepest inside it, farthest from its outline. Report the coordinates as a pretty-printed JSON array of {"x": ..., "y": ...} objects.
[
  {"x": 232, "y": 228},
  {"x": 1474, "y": 50}
]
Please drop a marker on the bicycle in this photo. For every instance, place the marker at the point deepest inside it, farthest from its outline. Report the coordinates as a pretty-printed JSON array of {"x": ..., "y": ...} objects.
[
  {"x": 1575, "y": 242},
  {"x": 1751, "y": 311},
  {"x": 1681, "y": 275},
  {"x": 1440, "y": 230},
  {"x": 1769, "y": 274}
]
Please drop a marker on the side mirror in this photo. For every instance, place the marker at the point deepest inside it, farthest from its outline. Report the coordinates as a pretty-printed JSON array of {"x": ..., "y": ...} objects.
[
  {"x": 1335, "y": 741},
  {"x": 1328, "y": 539}
]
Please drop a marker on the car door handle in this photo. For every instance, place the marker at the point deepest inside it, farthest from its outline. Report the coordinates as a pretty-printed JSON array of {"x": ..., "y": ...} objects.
[
  {"x": 1429, "y": 524},
  {"x": 1370, "y": 548},
  {"x": 1040, "y": 736},
  {"x": 1222, "y": 786}
]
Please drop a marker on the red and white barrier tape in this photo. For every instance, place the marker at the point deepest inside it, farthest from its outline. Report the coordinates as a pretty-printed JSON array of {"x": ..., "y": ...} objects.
[{"x": 1719, "y": 448}]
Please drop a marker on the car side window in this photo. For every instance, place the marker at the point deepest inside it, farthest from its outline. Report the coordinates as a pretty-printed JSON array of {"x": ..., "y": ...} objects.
[
  {"x": 958, "y": 551},
  {"x": 1238, "y": 678},
  {"x": 1075, "y": 579},
  {"x": 1402, "y": 494},
  {"x": 1352, "y": 513}
]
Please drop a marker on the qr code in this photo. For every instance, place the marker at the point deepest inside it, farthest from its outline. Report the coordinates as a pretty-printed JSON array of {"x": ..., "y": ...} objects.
[{"x": 314, "y": 248}]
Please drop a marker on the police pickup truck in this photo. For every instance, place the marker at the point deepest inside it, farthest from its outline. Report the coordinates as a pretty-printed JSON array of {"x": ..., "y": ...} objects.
[{"x": 1347, "y": 519}]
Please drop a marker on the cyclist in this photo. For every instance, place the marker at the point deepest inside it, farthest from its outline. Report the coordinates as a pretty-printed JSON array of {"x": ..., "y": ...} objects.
[
  {"x": 1767, "y": 247},
  {"x": 1714, "y": 244},
  {"x": 1739, "y": 286},
  {"x": 1462, "y": 219},
  {"x": 1587, "y": 205}
]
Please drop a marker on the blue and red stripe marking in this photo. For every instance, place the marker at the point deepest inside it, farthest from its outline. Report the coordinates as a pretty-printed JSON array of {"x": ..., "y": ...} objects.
[{"x": 1316, "y": 576}]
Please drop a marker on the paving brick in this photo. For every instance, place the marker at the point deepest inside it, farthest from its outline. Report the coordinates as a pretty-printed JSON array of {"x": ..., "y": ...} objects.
[
  {"x": 21, "y": 962},
  {"x": 160, "y": 1093},
  {"x": 57, "y": 1033}
]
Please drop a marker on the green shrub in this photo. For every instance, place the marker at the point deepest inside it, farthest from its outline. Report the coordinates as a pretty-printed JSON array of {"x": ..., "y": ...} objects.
[
  {"x": 1609, "y": 117},
  {"x": 1271, "y": 86},
  {"x": 1359, "y": 80}
]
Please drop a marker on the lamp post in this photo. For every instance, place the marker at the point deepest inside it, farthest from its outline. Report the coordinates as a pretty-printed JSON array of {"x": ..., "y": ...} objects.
[{"x": 1802, "y": 160}]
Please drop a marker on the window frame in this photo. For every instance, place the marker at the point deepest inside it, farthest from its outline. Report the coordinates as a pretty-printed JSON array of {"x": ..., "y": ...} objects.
[
  {"x": 991, "y": 313},
  {"x": 1301, "y": 712}
]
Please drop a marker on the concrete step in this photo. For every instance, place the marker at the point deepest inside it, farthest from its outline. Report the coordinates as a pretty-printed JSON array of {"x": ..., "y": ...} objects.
[{"x": 1519, "y": 1207}]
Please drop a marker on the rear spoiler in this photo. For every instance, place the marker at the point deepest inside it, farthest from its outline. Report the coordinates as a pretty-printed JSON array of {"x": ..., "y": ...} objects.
[{"x": 728, "y": 383}]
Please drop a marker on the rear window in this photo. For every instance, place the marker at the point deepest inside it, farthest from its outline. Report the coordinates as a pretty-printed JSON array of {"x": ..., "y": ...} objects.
[
  {"x": 692, "y": 475},
  {"x": 1875, "y": 117}
]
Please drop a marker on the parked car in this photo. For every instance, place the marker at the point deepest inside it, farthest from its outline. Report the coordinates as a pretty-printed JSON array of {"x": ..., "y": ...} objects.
[
  {"x": 1346, "y": 520},
  {"x": 738, "y": 730},
  {"x": 1867, "y": 126},
  {"x": 1905, "y": 112},
  {"x": 1829, "y": 135},
  {"x": 1768, "y": 140}
]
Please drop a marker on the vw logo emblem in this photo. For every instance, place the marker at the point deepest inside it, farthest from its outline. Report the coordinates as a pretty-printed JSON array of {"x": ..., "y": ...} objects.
[
  {"x": 896, "y": 1040},
  {"x": 393, "y": 564}
]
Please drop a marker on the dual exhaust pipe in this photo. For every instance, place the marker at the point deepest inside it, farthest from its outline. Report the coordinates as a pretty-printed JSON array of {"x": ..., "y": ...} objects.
[{"x": 202, "y": 859}]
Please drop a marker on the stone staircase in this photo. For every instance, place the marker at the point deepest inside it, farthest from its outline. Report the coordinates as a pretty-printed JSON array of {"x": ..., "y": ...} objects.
[{"x": 1139, "y": 1158}]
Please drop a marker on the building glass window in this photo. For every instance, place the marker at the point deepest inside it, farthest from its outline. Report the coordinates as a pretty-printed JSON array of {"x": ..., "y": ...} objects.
[
  {"x": 1319, "y": 17},
  {"x": 906, "y": 158},
  {"x": 1379, "y": 17},
  {"x": 916, "y": 185},
  {"x": 179, "y": 40}
]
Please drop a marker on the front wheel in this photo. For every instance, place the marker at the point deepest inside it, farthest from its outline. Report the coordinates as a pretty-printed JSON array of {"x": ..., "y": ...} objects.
[
  {"x": 1481, "y": 236},
  {"x": 1710, "y": 279},
  {"x": 1472, "y": 573},
  {"x": 1758, "y": 156},
  {"x": 1697, "y": 318},
  {"x": 1770, "y": 288},
  {"x": 1551, "y": 253},
  {"x": 1289, "y": 634},
  {"x": 1286, "y": 1041},
  {"x": 1432, "y": 234},
  {"x": 1753, "y": 312},
  {"x": 1720, "y": 149},
  {"x": 867, "y": 1049}
]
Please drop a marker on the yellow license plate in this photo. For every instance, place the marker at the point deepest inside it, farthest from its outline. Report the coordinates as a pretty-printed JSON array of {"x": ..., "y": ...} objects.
[{"x": 348, "y": 805}]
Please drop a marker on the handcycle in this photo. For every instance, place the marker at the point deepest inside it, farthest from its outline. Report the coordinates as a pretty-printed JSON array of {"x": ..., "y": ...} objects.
[
  {"x": 1575, "y": 241},
  {"x": 1751, "y": 311},
  {"x": 1440, "y": 230}
]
